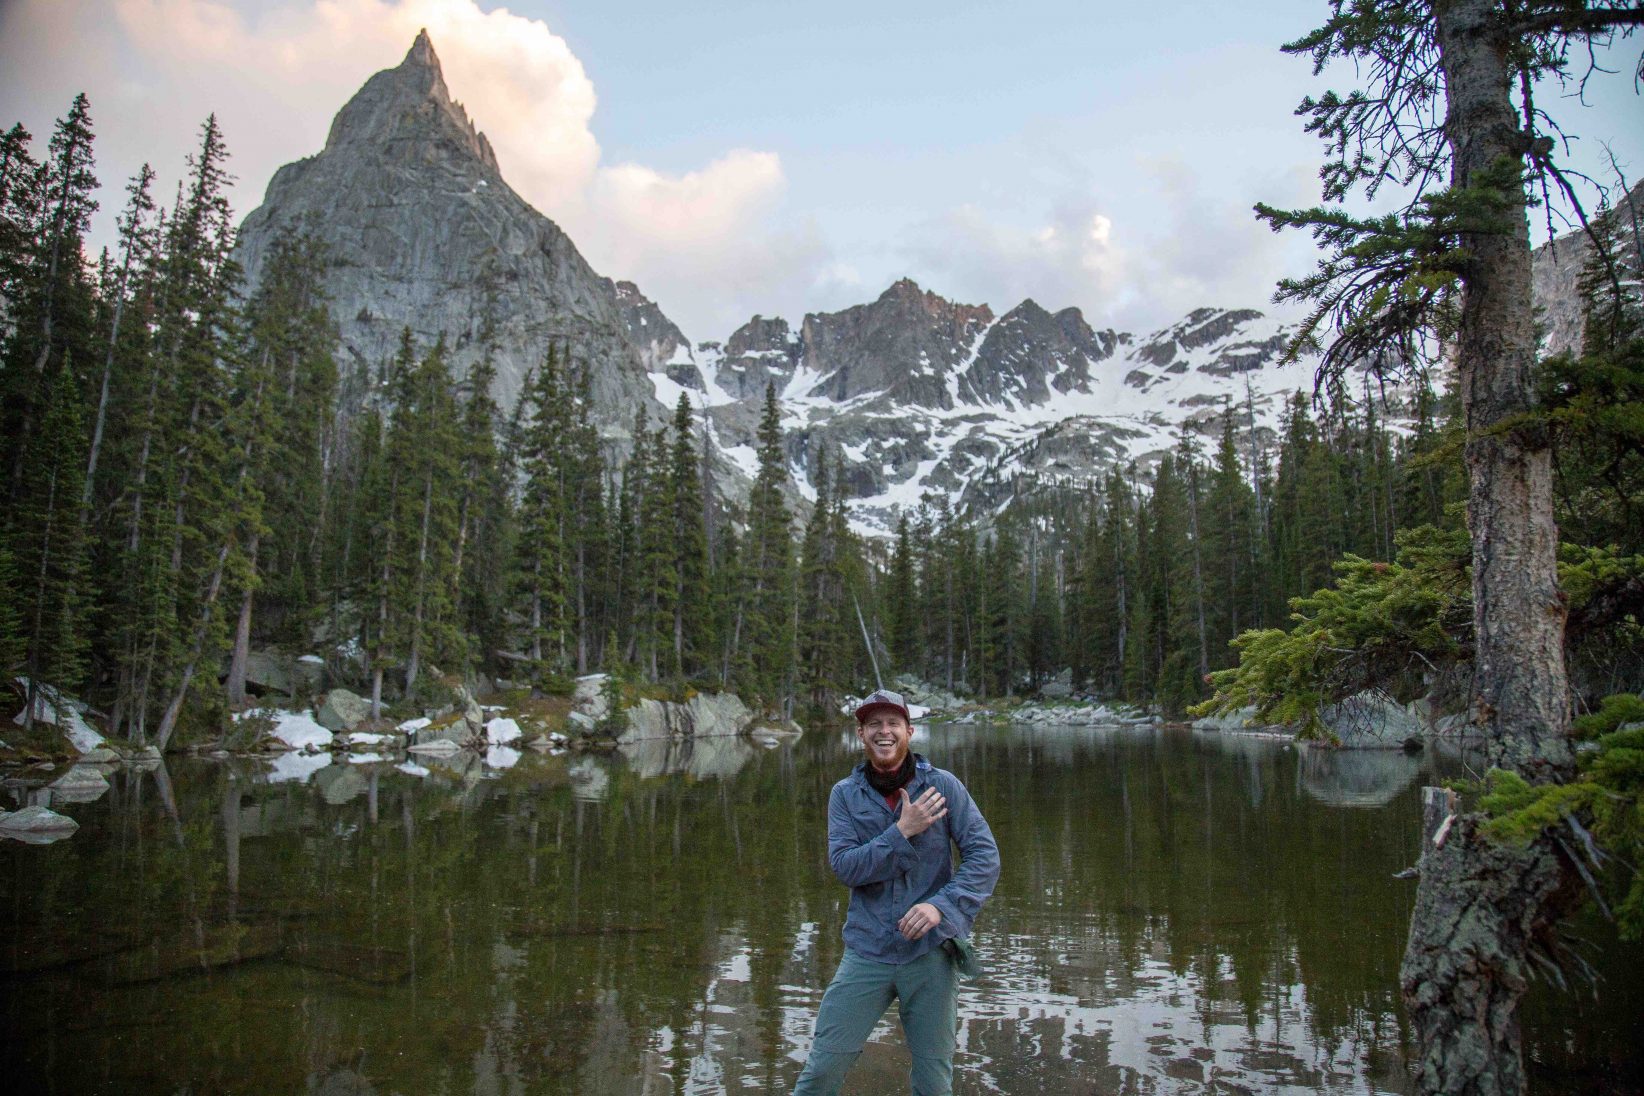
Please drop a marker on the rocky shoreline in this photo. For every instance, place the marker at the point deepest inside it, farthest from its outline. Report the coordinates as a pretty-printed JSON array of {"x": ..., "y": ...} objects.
[{"x": 478, "y": 728}]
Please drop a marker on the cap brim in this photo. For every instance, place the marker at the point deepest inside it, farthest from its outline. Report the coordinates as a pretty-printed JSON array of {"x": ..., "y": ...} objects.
[{"x": 868, "y": 709}]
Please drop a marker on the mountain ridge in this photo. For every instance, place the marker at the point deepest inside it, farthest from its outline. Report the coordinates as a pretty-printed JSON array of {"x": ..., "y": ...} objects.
[{"x": 918, "y": 394}]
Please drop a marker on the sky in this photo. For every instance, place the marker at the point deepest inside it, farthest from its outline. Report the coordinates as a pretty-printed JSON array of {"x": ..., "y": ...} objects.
[{"x": 743, "y": 157}]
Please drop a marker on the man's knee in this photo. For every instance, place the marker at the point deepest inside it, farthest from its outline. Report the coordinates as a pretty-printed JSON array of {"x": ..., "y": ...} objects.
[
  {"x": 824, "y": 1072},
  {"x": 932, "y": 1075}
]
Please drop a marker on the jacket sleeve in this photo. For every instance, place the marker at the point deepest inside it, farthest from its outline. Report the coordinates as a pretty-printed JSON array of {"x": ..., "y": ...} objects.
[
  {"x": 972, "y": 884},
  {"x": 859, "y": 863}
]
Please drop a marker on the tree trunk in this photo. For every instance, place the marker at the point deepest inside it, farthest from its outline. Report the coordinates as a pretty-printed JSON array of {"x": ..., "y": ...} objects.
[
  {"x": 168, "y": 721},
  {"x": 415, "y": 662},
  {"x": 1198, "y": 567},
  {"x": 582, "y": 606},
  {"x": 237, "y": 664},
  {"x": 1481, "y": 908},
  {"x": 102, "y": 396}
]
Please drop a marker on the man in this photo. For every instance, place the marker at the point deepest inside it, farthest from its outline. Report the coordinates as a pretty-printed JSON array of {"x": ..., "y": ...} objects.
[{"x": 890, "y": 825}]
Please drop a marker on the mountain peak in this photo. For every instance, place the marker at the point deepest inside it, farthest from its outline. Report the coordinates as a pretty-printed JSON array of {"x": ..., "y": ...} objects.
[
  {"x": 904, "y": 289},
  {"x": 409, "y": 106},
  {"x": 422, "y": 55}
]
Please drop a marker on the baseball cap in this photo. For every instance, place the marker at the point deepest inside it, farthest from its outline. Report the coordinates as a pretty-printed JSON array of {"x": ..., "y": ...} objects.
[{"x": 882, "y": 698}]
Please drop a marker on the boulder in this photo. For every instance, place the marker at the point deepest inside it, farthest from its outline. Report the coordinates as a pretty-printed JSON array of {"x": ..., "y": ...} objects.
[
  {"x": 434, "y": 746},
  {"x": 65, "y": 713},
  {"x": 465, "y": 702},
  {"x": 342, "y": 710},
  {"x": 1459, "y": 725},
  {"x": 81, "y": 784},
  {"x": 923, "y": 693},
  {"x": 501, "y": 731},
  {"x": 1059, "y": 686},
  {"x": 772, "y": 735},
  {"x": 102, "y": 755},
  {"x": 452, "y": 731},
  {"x": 582, "y": 721},
  {"x": 1371, "y": 720},
  {"x": 268, "y": 671},
  {"x": 705, "y": 715},
  {"x": 307, "y": 674},
  {"x": 1240, "y": 720},
  {"x": 717, "y": 714},
  {"x": 589, "y": 696},
  {"x": 36, "y": 825},
  {"x": 290, "y": 730},
  {"x": 653, "y": 719}
]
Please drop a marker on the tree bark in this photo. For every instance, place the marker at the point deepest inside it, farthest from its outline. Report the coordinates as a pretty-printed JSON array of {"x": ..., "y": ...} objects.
[
  {"x": 239, "y": 661},
  {"x": 1481, "y": 907}
]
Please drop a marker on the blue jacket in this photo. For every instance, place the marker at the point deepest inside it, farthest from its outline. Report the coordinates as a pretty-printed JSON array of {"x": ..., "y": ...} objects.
[{"x": 888, "y": 874}]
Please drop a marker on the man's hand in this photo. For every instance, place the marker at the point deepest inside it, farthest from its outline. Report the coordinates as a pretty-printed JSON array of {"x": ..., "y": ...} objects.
[
  {"x": 918, "y": 815},
  {"x": 919, "y": 920}
]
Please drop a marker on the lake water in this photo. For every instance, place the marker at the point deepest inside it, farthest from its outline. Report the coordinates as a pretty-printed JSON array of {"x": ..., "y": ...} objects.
[{"x": 1178, "y": 912}]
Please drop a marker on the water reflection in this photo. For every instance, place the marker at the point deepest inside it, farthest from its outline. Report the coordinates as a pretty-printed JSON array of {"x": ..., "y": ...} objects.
[
  {"x": 1357, "y": 778},
  {"x": 1177, "y": 912}
]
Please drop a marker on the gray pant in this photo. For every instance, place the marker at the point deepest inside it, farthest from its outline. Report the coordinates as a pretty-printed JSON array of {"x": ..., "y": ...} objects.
[{"x": 859, "y": 994}]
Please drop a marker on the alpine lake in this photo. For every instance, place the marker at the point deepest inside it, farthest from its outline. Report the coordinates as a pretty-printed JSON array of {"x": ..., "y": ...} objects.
[{"x": 1178, "y": 912}]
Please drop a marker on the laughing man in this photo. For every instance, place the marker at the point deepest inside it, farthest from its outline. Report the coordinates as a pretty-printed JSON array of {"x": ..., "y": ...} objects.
[{"x": 891, "y": 825}]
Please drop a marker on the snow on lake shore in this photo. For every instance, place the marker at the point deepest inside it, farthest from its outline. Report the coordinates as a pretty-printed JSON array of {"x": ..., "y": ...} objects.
[{"x": 296, "y": 729}]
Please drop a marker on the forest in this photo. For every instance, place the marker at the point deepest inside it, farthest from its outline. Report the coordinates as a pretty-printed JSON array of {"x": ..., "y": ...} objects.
[{"x": 191, "y": 473}]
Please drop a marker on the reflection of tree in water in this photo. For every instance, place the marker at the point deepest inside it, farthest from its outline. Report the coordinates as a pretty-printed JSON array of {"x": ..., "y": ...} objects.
[{"x": 471, "y": 931}]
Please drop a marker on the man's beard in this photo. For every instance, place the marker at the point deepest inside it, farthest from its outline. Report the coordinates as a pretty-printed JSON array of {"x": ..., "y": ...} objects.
[{"x": 888, "y": 783}]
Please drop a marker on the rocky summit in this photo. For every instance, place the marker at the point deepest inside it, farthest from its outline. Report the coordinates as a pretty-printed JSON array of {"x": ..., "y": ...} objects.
[{"x": 424, "y": 232}]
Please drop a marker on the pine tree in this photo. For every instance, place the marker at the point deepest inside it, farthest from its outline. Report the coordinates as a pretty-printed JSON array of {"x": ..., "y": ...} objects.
[
  {"x": 1001, "y": 654},
  {"x": 657, "y": 581},
  {"x": 283, "y": 404},
  {"x": 205, "y": 467},
  {"x": 47, "y": 545},
  {"x": 692, "y": 637},
  {"x": 1044, "y": 623},
  {"x": 902, "y": 603},
  {"x": 764, "y": 629},
  {"x": 591, "y": 541},
  {"x": 543, "y": 519},
  {"x": 484, "y": 539},
  {"x": 1454, "y": 260},
  {"x": 54, "y": 296},
  {"x": 136, "y": 242},
  {"x": 1230, "y": 570},
  {"x": 19, "y": 213},
  {"x": 425, "y": 433},
  {"x": 827, "y": 612},
  {"x": 382, "y": 498}
]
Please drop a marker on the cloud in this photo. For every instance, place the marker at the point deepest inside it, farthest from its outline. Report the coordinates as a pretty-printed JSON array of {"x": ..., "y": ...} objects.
[
  {"x": 1069, "y": 258},
  {"x": 277, "y": 75},
  {"x": 690, "y": 209},
  {"x": 518, "y": 80},
  {"x": 1136, "y": 265},
  {"x": 712, "y": 246}
]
